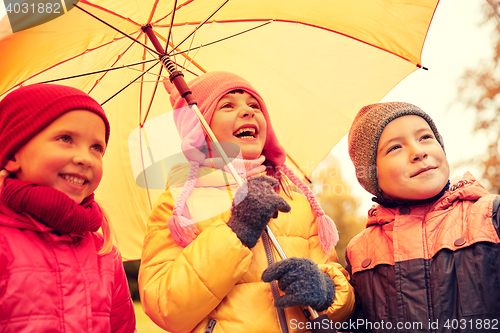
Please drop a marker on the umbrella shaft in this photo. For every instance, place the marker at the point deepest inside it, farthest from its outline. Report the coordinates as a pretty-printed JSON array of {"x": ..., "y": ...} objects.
[
  {"x": 282, "y": 255},
  {"x": 277, "y": 246},
  {"x": 148, "y": 30}
]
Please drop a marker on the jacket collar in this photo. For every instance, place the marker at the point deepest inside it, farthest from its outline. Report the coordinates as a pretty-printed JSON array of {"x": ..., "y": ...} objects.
[
  {"x": 207, "y": 177},
  {"x": 12, "y": 219},
  {"x": 468, "y": 188}
]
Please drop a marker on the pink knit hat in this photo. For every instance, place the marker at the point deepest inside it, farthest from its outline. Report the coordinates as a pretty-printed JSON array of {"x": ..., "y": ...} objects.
[
  {"x": 28, "y": 110},
  {"x": 208, "y": 89}
]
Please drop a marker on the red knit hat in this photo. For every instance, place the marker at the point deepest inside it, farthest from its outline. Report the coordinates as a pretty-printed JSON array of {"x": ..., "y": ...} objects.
[
  {"x": 208, "y": 89},
  {"x": 28, "y": 110}
]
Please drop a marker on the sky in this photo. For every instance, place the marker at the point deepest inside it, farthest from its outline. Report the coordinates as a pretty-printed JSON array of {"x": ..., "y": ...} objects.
[{"x": 455, "y": 42}]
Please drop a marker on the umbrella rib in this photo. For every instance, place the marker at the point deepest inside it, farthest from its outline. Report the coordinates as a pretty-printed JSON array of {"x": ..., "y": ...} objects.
[
  {"x": 222, "y": 39},
  {"x": 176, "y": 8},
  {"x": 100, "y": 71},
  {"x": 152, "y": 96},
  {"x": 152, "y": 12},
  {"x": 103, "y": 9},
  {"x": 137, "y": 78},
  {"x": 116, "y": 61},
  {"x": 201, "y": 24},
  {"x": 191, "y": 60},
  {"x": 118, "y": 30},
  {"x": 171, "y": 23},
  {"x": 187, "y": 54},
  {"x": 187, "y": 70}
]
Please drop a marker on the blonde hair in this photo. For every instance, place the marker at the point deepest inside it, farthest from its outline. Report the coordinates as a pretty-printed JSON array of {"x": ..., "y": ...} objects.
[{"x": 108, "y": 235}]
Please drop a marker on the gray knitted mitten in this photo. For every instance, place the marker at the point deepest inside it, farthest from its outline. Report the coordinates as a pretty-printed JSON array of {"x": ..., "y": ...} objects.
[
  {"x": 302, "y": 282},
  {"x": 257, "y": 204}
]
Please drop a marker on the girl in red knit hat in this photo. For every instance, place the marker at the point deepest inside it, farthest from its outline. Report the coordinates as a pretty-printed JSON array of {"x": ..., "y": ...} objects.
[
  {"x": 206, "y": 264},
  {"x": 57, "y": 274}
]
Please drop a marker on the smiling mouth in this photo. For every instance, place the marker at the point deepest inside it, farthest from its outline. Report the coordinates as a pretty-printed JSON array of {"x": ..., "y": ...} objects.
[
  {"x": 423, "y": 171},
  {"x": 245, "y": 133},
  {"x": 74, "y": 180}
]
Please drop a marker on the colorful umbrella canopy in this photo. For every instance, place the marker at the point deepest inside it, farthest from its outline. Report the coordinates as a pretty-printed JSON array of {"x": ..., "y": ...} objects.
[{"x": 316, "y": 63}]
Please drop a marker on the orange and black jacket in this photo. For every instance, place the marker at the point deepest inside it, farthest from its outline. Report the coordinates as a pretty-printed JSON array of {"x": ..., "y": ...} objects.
[{"x": 429, "y": 268}]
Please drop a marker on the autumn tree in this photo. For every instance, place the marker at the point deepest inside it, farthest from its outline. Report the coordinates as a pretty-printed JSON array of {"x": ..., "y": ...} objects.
[
  {"x": 336, "y": 200},
  {"x": 479, "y": 90}
]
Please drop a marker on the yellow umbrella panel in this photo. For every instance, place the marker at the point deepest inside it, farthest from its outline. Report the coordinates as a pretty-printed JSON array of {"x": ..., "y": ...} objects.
[{"x": 315, "y": 63}]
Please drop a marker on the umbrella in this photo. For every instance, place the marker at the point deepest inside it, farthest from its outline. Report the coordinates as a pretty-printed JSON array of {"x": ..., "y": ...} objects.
[{"x": 315, "y": 63}]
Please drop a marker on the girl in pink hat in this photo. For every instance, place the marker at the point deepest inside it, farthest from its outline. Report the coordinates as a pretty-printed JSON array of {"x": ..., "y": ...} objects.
[
  {"x": 206, "y": 264},
  {"x": 57, "y": 273}
]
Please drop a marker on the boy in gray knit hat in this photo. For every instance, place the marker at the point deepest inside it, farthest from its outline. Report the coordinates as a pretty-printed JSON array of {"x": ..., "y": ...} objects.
[{"x": 429, "y": 257}]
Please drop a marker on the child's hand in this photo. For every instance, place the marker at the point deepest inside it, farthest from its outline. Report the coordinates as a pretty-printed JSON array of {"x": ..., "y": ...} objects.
[
  {"x": 302, "y": 282},
  {"x": 255, "y": 204}
]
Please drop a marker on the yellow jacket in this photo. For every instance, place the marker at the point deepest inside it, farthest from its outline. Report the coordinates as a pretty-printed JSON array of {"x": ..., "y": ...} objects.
[{"x": 216, "y": 276}]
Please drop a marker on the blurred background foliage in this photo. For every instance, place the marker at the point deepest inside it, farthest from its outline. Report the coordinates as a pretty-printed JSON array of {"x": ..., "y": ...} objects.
[
  {"x": 479, "y": 92},
  {"x": 334, "y": 196}
]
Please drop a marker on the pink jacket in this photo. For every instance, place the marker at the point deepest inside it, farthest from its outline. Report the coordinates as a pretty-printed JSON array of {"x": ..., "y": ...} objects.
[{"x": 58, "y": 283}]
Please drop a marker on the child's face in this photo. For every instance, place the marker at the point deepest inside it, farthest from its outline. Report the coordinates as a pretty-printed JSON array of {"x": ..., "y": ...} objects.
[
  {"x": 411, "y": 163},
  {"x": 66, "y": 155},
  {"x": 238, "y": 119}
]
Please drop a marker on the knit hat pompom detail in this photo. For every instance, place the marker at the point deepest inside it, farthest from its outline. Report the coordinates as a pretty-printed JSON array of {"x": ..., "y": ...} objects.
[
  {"x": 182, "y": 229},
  {"x": 207, "y": 90},
  {"x": 365, "y": 133},
  {"x": 26, "y": 111}
]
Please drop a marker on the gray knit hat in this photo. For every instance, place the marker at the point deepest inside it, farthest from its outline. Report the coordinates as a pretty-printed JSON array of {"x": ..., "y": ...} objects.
[{"x": 365, "y": 133}]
